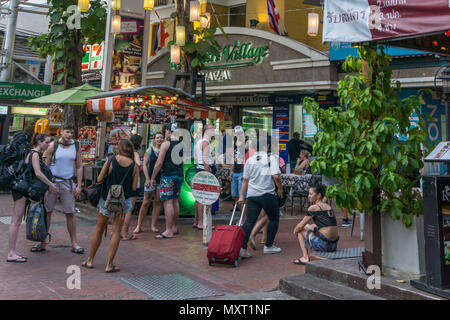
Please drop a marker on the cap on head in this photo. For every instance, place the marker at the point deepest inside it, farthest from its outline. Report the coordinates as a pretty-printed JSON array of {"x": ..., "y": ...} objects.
[
  {"x": 238, "y": 129},
  {"x": 296, "y": 134}
]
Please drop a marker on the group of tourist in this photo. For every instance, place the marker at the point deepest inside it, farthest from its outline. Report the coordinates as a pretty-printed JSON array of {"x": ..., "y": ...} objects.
[{"x": 255, "y": 180}]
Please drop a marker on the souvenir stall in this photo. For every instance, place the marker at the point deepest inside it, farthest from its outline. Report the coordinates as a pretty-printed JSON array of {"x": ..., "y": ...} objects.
[{"x": 144, "y": 111}]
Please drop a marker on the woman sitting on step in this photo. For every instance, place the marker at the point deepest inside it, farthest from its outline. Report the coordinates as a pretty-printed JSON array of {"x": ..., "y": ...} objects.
[{"x": 322, "y": 234}]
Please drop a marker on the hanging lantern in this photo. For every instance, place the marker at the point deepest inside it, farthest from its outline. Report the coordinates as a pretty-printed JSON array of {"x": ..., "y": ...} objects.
[
  {"x": 175, "y": 54},
  {"x": 313, "y": 24},
  {"x": 149, "y": 4},
  {"x": 115, "y": 4},
  {"x": 83, "y": 5},
  {"x": 180, "y": 35},
  {"x": 115, "y": 24},
  {"x": 194, "y": 13},
  {"x": 204, "y": 19}
]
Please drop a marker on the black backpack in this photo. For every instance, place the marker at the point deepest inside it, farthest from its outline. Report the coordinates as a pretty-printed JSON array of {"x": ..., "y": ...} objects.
[{"x": 12, "y": 158}]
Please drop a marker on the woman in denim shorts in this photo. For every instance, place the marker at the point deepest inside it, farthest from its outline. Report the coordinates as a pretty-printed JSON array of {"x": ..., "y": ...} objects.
[
  {"x": 121, "y": 170},
  {"x": 150, "y": 158},
  {"x": 322, "y": 234}
]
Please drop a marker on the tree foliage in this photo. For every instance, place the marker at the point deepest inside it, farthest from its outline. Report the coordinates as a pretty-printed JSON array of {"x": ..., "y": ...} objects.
[
  {"x": 362, "y": 143},
  {"x": 65, "y": 43}
]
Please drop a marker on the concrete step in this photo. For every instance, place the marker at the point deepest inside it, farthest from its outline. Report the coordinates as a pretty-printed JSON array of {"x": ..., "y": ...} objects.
[
  {"x": 308, "y": 287},
  {"x": 346, "y": 272}
]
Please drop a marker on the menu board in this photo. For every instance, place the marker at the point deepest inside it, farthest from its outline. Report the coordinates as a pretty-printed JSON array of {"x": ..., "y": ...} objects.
[
  {"x": 87, "y": 136},
  {"x": 127, "y": 55},
  {"x": 440, "y": 153}
]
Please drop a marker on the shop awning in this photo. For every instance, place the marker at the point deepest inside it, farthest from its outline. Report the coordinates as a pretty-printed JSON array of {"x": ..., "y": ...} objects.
[
  {"x": 115, "y": 100},
  {"x": 105, "y": 104},
  {"x": 382, "y": 20}
]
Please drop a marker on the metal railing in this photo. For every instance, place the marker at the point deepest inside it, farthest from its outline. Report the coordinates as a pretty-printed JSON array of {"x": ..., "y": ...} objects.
[{"x": 161, "y": 3}]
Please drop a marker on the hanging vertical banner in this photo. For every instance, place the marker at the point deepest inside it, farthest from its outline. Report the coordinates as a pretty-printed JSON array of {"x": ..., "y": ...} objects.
[
  {"x": 127, "y": 55},
  {"x": 281, "y": 123},
  {"x": 366, "y": 20}
]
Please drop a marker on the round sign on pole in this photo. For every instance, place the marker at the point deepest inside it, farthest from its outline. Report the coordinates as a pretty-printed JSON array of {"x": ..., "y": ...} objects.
[{"x": 205, "y": 188}]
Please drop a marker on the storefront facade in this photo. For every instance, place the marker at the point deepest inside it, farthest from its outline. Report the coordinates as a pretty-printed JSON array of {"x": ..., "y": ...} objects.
[{"x": 259, "y": 80}]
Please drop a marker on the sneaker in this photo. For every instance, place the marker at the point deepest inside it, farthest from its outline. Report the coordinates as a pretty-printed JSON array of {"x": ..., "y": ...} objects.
[
  {"x": 272, "y": 249},
  {"x": 346, "y": 223},
  {"x": 244, "y": 253}
]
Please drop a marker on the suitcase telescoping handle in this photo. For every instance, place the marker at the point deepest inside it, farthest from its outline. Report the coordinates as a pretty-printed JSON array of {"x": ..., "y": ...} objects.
[{"x": 234, "y": 210}]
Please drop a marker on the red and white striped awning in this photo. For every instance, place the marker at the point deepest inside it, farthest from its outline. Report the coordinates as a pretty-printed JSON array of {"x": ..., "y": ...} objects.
[{"x": 106, "y": 104}]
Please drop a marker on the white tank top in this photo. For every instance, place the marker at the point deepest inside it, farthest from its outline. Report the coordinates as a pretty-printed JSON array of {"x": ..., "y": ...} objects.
[
  {"x": 199, "y": 154},
  {"x": 64, "y": 164}
]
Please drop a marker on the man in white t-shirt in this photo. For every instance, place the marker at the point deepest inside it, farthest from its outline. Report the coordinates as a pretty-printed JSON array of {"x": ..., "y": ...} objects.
[{"x": 261, "y": 173}]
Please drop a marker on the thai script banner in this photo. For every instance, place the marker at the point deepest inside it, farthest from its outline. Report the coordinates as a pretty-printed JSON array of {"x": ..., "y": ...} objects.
[{"x": 366, "y": 20}]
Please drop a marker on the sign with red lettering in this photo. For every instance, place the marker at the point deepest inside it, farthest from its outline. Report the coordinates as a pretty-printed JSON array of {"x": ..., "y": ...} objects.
[
  {"x": 205, "y": 188},
  {"x": 366, "y": 20}
]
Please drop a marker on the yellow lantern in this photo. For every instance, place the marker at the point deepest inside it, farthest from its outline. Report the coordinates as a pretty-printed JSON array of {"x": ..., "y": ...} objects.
[
  {"x": 149, "y": 4},
  {"x": 83, "y": 5},
  {"x": 194, "y": 13},
  {"x": 115, "y": 4},
  {"x": 204, "y": 19},
  {"x": 313, "y": 24},
  {"x": 175, "y": 54},
  {"x": 180, "y": 35},
  {"x": 115, "y": 24}
]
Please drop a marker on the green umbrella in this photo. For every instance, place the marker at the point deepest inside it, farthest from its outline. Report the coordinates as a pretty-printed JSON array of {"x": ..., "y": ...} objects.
[{"x": 73, "y": 96}]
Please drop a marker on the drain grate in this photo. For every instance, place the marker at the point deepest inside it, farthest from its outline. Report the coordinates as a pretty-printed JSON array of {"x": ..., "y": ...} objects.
[
  {"x": 341, "y": 253},
  {"x": 7, "y": 220},
  {"x": 171, "y": 287}
]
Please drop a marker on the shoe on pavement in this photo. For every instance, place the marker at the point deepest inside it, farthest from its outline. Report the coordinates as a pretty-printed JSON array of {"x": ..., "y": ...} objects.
[
  {"x": 272, "y": 249},
  {"x": 244, "y": 253},
  {"x": 346, "y": 223}
]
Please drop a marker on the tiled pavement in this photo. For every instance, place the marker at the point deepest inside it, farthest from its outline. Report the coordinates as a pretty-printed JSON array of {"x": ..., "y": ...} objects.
[{"x": 44, "y": 275}]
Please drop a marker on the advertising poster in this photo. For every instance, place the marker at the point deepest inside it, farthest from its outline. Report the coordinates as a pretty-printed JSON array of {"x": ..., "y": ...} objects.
[
  {"x": 281, "y": 123},
  {"x": 444, "y": 192},
  {"x": 117, "y": 133},
  {"x": 127, "y": 55},
  {"x": 88, "y": 142}
]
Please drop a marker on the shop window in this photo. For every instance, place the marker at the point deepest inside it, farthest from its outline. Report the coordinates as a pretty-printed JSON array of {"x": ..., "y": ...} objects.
[
  {"x": 237, "y": 16},
  {"x": 258, "y": 118}
]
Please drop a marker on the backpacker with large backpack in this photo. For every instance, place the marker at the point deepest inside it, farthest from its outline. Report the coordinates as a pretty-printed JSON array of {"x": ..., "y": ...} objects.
[{"x": 12, "y": 158}]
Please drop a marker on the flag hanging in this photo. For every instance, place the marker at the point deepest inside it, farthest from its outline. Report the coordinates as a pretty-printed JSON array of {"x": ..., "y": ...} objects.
[
  {"x": 274, "y": 19},
  {"x": 160, "y": 39}
]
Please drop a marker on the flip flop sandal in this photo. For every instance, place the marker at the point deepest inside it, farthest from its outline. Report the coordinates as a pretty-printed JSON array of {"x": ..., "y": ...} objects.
[
  {"x": 78, "y": 250},
  {"x": 300, "y": 262},
  {"x": 37, "y": 248},
  {"x": 84, "y": 264},
  {"x": 114, "y": 269},
  {"x": 132, "y": 237},
  {"x": 19, "y": 259},
  {"x": 161, "y": 236}
]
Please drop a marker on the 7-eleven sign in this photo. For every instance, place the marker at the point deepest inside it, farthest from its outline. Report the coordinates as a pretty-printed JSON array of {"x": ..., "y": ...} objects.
[
  {"x": 85, "y": 61},
  {"x": 97, "y": 56}
]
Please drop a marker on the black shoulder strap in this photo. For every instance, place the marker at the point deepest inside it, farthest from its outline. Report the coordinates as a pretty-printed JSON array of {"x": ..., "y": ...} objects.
[{"x": 55, "y": 146}]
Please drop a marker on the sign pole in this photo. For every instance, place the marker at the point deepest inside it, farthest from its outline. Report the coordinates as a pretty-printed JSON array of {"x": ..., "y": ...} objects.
[{"x": 207, "y": 225}]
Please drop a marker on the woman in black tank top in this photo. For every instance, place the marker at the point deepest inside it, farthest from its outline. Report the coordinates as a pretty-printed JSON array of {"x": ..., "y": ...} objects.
[
  {"x": 123, "y": 171},
  {"x": 322, "y": 234}
]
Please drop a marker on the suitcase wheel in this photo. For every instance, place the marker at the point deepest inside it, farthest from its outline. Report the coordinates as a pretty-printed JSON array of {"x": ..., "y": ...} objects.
[
  {"x": 209, "y": 262},
  {"x": 235, "y": 263}
]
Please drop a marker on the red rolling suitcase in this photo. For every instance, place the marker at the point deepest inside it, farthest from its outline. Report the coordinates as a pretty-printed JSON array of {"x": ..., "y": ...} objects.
[{"x": 226, "y": 242}]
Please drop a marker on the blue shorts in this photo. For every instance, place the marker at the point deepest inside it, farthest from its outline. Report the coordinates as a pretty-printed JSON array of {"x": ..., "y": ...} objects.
[
  {"x": 171, "y": 187},
  {"x": 236, "y": 185},
  {"x": 319, "y": 244},
  {"x": 105, "y": 212}
]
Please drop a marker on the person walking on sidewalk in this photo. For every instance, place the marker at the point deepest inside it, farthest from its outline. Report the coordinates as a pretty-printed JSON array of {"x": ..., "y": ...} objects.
[
  {"x": 322, "y": 235},
  {"x": 63, "y": 156},
  {"x": 40, "y": 142},
  {"x": 150, "y": 158},
  {"x": 205, "y": 162},
  {"x": 136, "y": 140},
  {"x": 237, "y": 166},
  {"x": 261, "y": 172},
  {"x": 170, "y": 164},
  {"x": 119, "y": 170}
]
